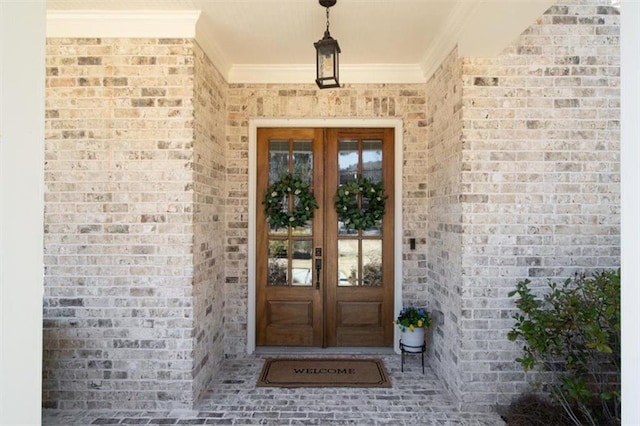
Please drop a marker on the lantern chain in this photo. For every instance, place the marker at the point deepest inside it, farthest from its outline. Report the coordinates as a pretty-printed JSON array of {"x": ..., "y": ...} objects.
[{"x": 327, "y": 19}]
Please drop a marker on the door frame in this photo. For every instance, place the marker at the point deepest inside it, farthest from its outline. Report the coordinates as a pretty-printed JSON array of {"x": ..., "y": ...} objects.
[{"x": 254, "y": 124}]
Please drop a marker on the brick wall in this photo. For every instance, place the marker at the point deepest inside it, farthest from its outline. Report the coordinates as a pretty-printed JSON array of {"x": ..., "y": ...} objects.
[
  {"x": 538, "y": 189},
  {"x": 119, "y": 232},
  {"x": 304, "y": 101},
  {"x": 209, "y": 218},
  {"x": 444, "y": 220}
]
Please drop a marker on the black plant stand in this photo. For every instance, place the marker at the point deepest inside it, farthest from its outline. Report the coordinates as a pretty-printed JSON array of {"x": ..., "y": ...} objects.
[{"x": 406, "y": 349}]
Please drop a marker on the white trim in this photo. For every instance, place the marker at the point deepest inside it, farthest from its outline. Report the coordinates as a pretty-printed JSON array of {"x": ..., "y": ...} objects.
[
  {"x": 495, "y": 25},
  {"x": 130, "y": 23},
  {"x": 481, "y": 29},
  {"x": 254, "y": 124},
  {"x": 630, "y": 206},
  {"x": 305, "y": 73},
  {"x": 208, "y": 42},
  {"x": 22, "y": 135},
  {"x": 448, "y": 38},
  {"x": 266, "y": 74},
  {"x": 398, "y": 230}
]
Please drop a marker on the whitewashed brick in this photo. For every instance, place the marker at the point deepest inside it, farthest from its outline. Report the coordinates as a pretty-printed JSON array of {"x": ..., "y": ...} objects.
[
  {"x": 511, "y": 171},
  {"x": 555, "y": 147}
]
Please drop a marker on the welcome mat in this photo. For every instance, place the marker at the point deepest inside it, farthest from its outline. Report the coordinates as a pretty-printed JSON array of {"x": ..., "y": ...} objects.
[{"x": 323, "y": 372}]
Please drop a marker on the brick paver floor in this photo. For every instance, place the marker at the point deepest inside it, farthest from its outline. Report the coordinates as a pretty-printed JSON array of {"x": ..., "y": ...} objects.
[{"x": 414, "y": 399}]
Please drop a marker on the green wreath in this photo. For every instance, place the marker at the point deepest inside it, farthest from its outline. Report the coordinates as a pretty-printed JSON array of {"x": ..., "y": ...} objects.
[
  {"x": 352, "y": 214},
  {"x": 276, "y": 203}
]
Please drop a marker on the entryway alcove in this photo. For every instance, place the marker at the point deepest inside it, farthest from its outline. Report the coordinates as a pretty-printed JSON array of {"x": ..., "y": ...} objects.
[{"x": 395, "y": 129}]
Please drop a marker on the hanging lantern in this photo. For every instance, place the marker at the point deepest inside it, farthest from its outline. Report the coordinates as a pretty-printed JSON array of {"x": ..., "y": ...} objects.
[{"x": 327, "y": 53}]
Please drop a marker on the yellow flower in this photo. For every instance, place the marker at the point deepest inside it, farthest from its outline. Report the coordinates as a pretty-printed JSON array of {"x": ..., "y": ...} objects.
[
  {"x": 411, "y": 327},
  {"x": 419, "y": 323}
]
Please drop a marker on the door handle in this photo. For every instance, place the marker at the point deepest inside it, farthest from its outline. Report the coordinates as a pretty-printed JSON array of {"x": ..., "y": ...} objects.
[{"x": 318, "y": 268}]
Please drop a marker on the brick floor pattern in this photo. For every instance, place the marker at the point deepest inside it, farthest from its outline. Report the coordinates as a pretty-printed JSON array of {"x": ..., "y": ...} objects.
[{"x": 233, "y": 399}]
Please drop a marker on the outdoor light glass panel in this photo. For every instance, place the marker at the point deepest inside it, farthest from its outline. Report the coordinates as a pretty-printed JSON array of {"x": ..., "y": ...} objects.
[{"x": 327, "y": 52}]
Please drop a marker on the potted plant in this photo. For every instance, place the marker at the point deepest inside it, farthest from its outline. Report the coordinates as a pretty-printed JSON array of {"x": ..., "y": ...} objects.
[{"x": 412, "y": 321}]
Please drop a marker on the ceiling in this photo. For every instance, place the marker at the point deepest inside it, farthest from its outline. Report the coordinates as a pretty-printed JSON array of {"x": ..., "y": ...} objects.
[{"x": 272, "y": 41}]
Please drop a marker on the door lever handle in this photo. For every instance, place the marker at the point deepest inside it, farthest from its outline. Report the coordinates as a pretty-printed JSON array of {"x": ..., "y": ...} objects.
[{"x": 318, "y": 268}]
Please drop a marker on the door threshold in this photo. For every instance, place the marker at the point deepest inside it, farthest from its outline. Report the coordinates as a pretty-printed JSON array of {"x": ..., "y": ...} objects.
[{"x": 301, "y": 350}]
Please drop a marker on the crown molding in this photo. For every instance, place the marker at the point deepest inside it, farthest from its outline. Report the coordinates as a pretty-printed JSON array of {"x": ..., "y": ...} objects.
[
  {"x": 142, "y": 23},
  {"x": 207, "y": 41},
  {"x": 483, "y": 37},
  {"x": 448, "y": 38},
  {"x": 381, "y": 73},
  {"x": 305, "y": 73},
  {"x": 473, "y": 29}
]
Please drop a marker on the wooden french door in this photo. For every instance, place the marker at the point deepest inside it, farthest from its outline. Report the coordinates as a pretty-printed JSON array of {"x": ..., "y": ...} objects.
[{"x": 324, "y": 283}]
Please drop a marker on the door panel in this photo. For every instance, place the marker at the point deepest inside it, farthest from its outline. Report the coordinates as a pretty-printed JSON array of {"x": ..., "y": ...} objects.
[
  {"x": 359, "y": 314},
  {"x": 290, "y": 313},
  {"x": 289, "y": 307},
  {"x": 349, "y": 301},
  {"x": 359, "y": 297}
]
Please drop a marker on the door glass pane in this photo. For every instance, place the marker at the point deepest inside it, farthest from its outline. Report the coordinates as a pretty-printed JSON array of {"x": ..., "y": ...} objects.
[
  {"x": 303, "y": 160},
  {"x": 371, "y": 169},
  {"x": 284, "y": 206},
  {"x": 278, "y": 263},
  {"x": 372, "y": 160},
  {"x": 301, "y": 230},
  {"x": 301, "y": 270},
  {"x": 372, "y": 263},
  {"x": 278, "y": 231},
  {"x": 375, "y": 230},
  {"x": 348, "y": 254},
  {"x": 342, "y": 230},
  {"x": 303, "y": 170},
  {"x": 347, "y": 160},
  {"x": 278, "y": 159}
]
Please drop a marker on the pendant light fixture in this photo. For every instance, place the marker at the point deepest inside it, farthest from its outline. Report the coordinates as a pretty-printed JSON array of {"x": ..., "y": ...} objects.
[{"x": 327, "y": 52}]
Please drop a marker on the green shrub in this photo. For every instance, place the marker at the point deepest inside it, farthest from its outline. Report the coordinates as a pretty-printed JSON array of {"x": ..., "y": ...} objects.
[{"x": 573, "y": 332}]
